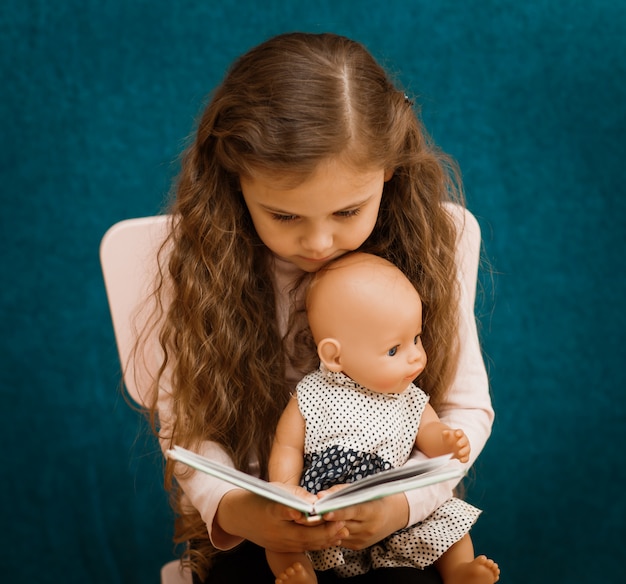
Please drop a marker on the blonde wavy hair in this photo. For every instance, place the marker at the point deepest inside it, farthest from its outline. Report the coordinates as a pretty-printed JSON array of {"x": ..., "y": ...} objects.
[{"x": 284, "y": 107}]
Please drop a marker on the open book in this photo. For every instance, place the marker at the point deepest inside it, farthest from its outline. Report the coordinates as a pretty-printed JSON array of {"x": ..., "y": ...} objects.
[{"x": 413, "y": 475}]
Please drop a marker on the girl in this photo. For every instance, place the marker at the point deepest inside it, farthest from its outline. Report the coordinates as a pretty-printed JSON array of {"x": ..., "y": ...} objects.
[{"x": 305, "y": 152}]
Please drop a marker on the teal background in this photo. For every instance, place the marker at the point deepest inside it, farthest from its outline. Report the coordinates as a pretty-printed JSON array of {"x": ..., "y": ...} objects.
[{"x": 97, "y": 99}]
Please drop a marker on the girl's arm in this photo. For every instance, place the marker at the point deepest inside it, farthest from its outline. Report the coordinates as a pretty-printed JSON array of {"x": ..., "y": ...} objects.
[
  {"x": 202, "y": 491},
  {"x": 468, "y": 403},
  {"x": 232, "y": 514}
]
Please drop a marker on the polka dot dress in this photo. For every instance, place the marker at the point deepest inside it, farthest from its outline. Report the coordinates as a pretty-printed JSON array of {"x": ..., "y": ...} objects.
[{"x": 352, "y": 432}]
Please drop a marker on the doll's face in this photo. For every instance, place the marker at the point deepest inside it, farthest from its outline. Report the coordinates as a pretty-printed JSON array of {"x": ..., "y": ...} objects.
[
  {"x": 330, "y": 213},
  {"x": 374, "y": 324}
]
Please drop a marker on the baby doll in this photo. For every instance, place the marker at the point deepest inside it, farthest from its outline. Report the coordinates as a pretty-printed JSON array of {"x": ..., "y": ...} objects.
[{"x": 360, "y": 413}]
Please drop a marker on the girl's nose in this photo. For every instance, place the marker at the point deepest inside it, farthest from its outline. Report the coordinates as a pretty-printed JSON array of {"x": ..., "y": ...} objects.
[{"x": 318, "y": 241}]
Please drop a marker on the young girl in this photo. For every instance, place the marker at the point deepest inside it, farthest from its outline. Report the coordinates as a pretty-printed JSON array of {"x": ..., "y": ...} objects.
[
  {"x": 306, "y": 151},
  {"x": 359, "y": 413}
]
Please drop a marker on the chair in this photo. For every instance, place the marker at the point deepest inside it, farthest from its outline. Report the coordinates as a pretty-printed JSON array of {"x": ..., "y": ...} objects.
[{"x": 128, "y": 254}]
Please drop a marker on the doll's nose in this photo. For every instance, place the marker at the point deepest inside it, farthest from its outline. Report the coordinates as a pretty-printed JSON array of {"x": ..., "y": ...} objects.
[{"x": 418, "y": 355}]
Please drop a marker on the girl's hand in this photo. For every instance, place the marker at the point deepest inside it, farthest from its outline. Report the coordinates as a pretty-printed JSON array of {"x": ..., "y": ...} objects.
[
  {"x": 370, "y": 522},
  {"x": 274, "y": 526}
]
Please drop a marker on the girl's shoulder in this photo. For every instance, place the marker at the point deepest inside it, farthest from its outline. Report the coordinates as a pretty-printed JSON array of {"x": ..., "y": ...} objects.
[{"x": 466, "y": 224}]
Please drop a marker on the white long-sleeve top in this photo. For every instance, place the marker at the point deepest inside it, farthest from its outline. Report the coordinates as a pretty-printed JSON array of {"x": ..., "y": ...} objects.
[{"x": 466, "y": 406}]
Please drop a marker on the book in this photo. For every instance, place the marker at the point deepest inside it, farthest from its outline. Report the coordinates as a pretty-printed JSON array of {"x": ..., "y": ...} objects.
[{"x": 413, "y": 475}]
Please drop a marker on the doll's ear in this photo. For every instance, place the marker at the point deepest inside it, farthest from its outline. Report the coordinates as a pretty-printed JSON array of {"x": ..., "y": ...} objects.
[{"x": 329, "y": 351}]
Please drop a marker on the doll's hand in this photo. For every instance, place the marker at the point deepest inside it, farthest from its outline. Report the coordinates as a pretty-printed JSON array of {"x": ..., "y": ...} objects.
[
  {"x": 457, "y": 442},
  {"x": 333, "y": 489},
  {"x": 297, "y": 490}
]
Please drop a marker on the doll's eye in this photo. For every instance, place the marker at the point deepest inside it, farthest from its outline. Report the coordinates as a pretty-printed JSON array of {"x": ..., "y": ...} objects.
[{"x": 391, "y": 352}]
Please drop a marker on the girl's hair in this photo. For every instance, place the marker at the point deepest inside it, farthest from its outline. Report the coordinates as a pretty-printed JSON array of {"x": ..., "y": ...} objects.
[{"x": 290, "y": 103}]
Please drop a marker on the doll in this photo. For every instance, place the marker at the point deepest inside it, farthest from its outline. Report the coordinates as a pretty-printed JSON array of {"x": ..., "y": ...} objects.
[{"x": 361, "y": 413}]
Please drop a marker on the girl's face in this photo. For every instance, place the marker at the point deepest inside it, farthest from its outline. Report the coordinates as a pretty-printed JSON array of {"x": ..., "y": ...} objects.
[{"x": 329, "y": 214}]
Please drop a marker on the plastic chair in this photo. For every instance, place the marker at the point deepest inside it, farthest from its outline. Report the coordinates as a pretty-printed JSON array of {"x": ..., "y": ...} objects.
[{"x": 128, "y": 255}]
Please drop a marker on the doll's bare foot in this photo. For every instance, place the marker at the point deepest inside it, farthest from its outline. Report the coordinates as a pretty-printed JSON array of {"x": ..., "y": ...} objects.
[
  {"x": 481, "y": 570},
  {"x": 297, "y": 574}
]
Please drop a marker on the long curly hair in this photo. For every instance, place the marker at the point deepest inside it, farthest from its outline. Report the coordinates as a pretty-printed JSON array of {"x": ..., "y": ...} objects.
[{"x": 284, "y": 107}]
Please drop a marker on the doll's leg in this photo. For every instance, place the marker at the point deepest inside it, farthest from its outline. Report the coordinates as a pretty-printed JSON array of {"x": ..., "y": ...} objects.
[
  {"x": 459, "y": 566},
  {"x": 292, "y": 568}
]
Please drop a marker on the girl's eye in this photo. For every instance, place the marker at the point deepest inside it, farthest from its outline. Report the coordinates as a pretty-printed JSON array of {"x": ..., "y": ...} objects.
[
  {"x": 284, "y": 218},
  {"x": 348, "y": 213},
  {"x": 391, "y": 352},
  {"x": 417, "y": 339},
  {"x": 341, "y": 214}
]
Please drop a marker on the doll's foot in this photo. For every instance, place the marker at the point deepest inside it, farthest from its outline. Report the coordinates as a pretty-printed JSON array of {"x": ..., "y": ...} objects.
[
  {"x": 481, "y": 570},
  {"x": 296, "y": 574}
]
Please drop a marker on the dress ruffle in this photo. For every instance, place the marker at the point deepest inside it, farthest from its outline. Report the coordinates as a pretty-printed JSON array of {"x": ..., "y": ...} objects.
[{"x": 417, "y": 546}]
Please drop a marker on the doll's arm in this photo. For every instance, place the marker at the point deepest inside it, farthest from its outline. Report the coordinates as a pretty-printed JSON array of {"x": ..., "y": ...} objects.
[
  {"x": 287, "y": 455},
  {"x": 434, "y": 438}
]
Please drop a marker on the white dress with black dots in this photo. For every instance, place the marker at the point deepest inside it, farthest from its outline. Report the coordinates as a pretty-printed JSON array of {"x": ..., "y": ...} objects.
[{"x": 352, "y": 432}]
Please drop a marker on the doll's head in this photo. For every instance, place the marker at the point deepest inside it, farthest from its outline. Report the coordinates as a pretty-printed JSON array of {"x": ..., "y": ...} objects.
[{"x": 366, "y": 320}]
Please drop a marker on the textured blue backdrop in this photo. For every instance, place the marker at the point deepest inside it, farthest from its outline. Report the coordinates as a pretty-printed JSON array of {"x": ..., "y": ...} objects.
[{"x": 97, "y": 100}]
